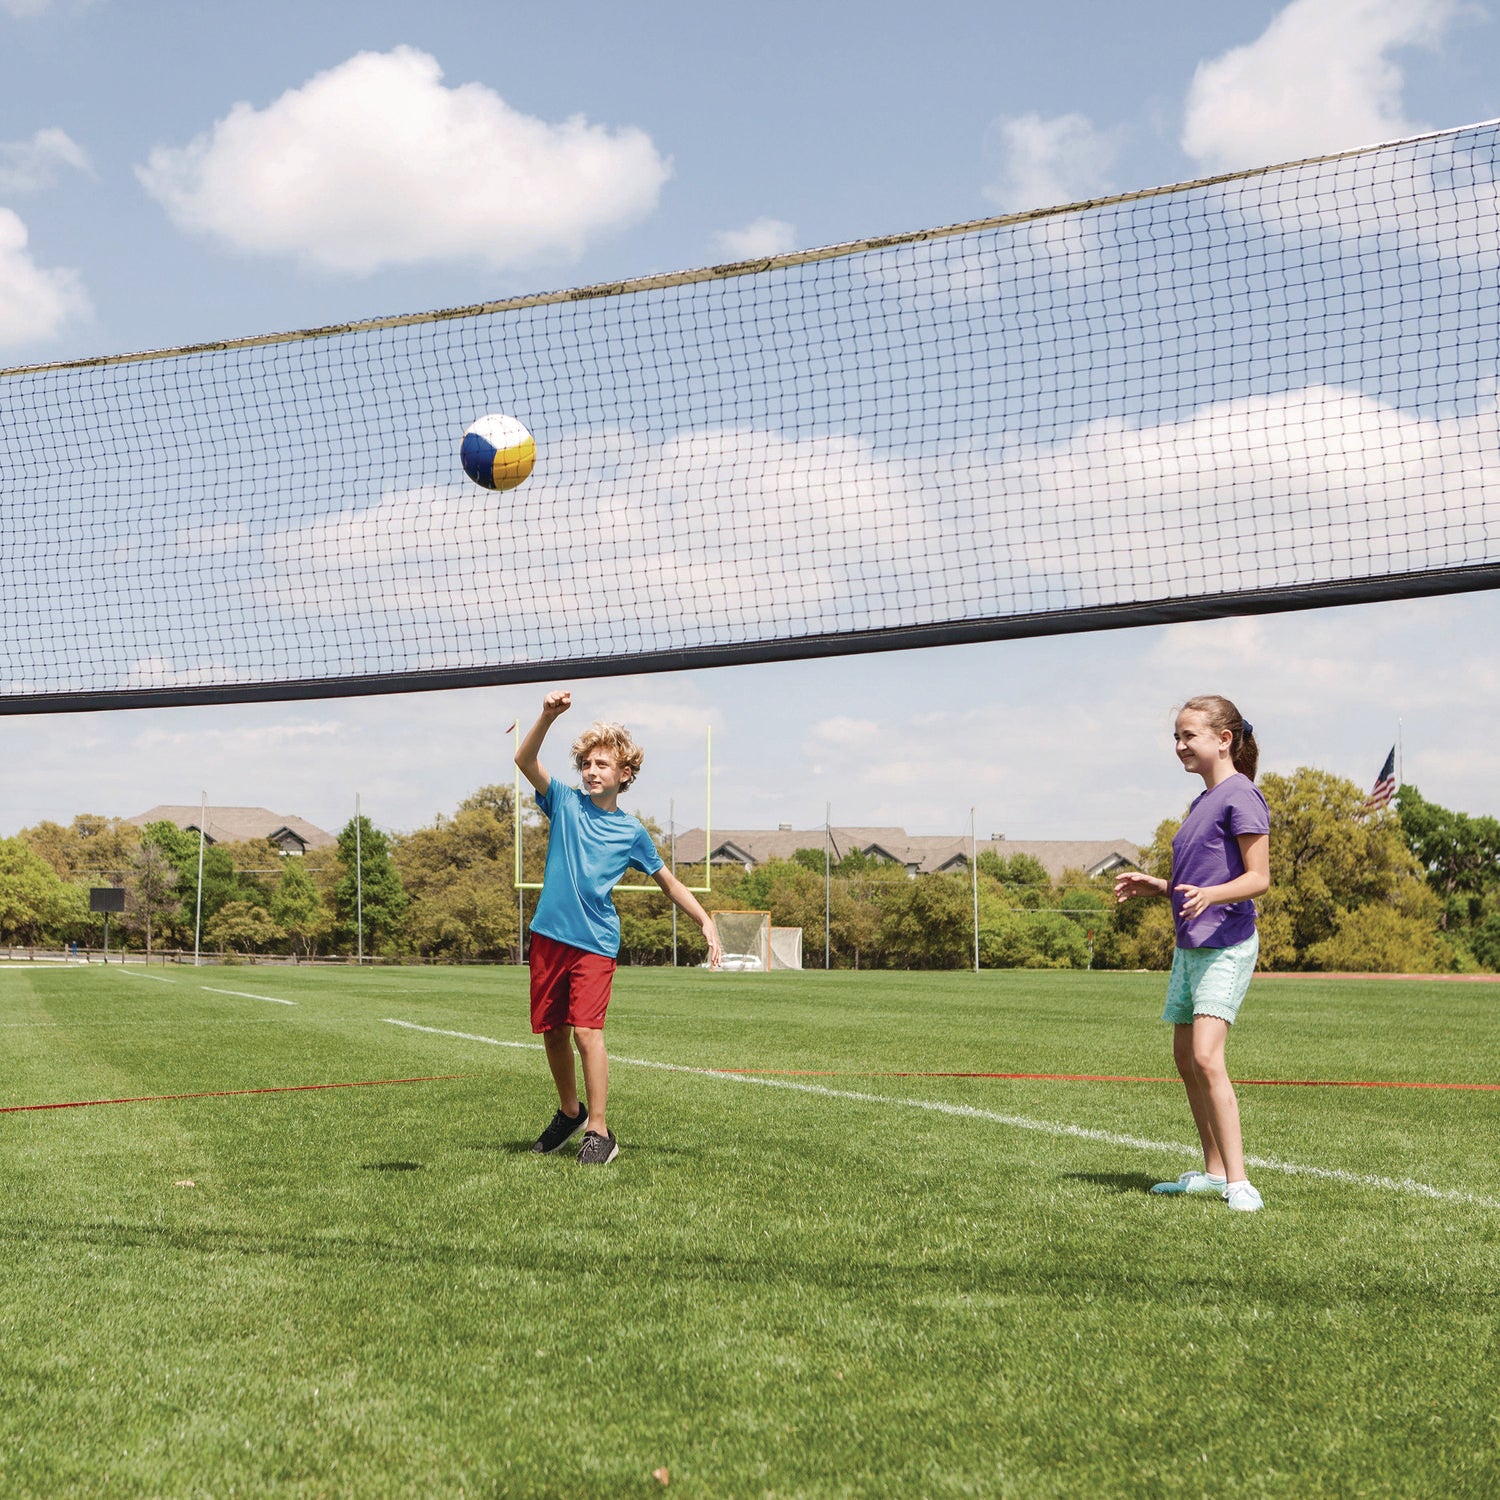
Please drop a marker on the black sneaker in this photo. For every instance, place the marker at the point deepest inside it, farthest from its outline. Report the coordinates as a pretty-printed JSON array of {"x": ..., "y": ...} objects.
[
  {"x": 598, "y": 1150},
  {"x": 562, "y": 1130}
]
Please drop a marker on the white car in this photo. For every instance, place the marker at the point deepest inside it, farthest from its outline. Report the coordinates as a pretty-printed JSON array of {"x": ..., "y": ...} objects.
[{"x": 741, "y": 961}]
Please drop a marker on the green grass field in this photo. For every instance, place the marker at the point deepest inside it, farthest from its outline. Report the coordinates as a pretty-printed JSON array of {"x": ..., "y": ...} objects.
[{"x": 853, "y": 1284}]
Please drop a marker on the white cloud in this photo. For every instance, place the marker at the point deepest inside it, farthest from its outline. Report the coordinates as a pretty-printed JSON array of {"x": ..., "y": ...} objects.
[
  {"x": 28, "y": 165},
  {"x": 651, "y": 716},
  {"x": 1301, "y": 487},
  {"x": 726, "y": 536},
  {"x": 842, "y": 732},
  {"x": 744, "y": 532},
  {"x": 158, "y": 672},
  {"x": 1044, "y": 162},
  {"x": 34, "y": 302},
  {"x": 21, "y": 8},
  {"x": 245, "y": 742},
  {"x": 375, "y": 163},
  {"x": 1437, "y": 202},
  {"x": 1319, "y": 78},
  {"x": 760, "y": 238}
]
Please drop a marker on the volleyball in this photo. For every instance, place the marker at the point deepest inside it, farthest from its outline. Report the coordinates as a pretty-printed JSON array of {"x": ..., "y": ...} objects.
[{"x": 498, "y": 452}]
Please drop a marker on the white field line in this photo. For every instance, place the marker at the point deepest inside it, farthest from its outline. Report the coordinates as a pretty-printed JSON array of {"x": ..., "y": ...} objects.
[
  {"x": 239, "y": 994},
  {"x": 245, "y": 995},
  {"x": 1014, "y": 1122}
]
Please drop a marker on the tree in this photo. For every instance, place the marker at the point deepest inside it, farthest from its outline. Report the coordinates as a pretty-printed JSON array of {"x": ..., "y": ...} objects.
[
  {"x": 1022, "y": 939},
  {"x": 1023, "y": 876},
  {"x": 933, "y": 927},
  {"x": 1379, "y": 939},
  {"x": 151, "y": 887},
  {"x": 242, "y": 926},
  {"x": 1327, "y": 860},
  {"x": 1460, "y": 854},
  {"x": 459, "y": 874},
  {"x": 255, "y": 870},
  {"x": 33, "y": 901},
  {"x": 92, "y": 850},
  {"x": 297, "y": 908},
  {"x": 1143, "y": 936},
  {"x": 369, "y": 899},
  {"x": 646, "y": 930}
]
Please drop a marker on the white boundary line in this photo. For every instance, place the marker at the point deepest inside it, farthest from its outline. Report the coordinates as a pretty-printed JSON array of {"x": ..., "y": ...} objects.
[
  {"x": 245, "y": 995},
  {"x": 1014, "y": 1122},
  {"x": 238, "y": 994}
]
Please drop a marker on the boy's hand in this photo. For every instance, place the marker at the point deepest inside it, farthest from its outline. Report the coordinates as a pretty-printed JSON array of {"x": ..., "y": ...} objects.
[
  {"x": 557, "y": 703},
  {"x": 715, "y": 947}
]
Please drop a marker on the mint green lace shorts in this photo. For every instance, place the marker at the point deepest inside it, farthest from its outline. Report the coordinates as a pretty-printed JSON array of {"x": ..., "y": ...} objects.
[{"x": 1210, "y": 981}]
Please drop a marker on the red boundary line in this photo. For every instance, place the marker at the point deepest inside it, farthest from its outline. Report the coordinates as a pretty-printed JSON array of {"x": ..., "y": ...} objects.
[
  {"x": 288, "y": 1088},
  {"x": 1283, "y": 1083}
]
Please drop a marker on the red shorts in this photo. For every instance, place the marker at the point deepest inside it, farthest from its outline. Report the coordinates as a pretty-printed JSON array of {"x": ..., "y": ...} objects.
[{"x": 569, "y": 986}]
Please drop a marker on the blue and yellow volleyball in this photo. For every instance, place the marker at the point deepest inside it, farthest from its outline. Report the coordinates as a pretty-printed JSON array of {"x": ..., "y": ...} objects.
[{"x": 498, "y": 452}]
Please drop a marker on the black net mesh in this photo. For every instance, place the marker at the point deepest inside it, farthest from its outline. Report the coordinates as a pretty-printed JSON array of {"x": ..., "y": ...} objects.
[{"x": 1263, "y": 391}]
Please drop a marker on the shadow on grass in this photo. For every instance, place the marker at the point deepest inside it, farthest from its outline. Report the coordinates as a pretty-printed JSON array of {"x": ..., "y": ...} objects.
[
  {"x": 391, "y": 1166},
  {"x": 1117, "y": 1182}
]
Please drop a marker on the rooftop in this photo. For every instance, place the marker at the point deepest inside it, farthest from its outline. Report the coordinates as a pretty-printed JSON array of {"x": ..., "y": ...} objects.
[
  {"x": 291, "y": 834},
  {"x": 921, "y": 854}
]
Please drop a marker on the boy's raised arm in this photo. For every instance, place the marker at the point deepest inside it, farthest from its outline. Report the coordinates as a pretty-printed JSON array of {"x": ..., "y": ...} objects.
[{"x": 554, "y": 705}]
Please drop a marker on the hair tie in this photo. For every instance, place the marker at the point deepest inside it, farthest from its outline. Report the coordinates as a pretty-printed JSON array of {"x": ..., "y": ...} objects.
[{"x": 1246, "y": 728}]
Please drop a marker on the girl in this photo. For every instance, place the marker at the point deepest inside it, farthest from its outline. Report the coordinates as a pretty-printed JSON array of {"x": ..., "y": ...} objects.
[{"x": 1220, "y": 863}]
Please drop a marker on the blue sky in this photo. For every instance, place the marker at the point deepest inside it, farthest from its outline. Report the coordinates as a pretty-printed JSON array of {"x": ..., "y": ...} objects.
[{"x": 135, "y": 212}]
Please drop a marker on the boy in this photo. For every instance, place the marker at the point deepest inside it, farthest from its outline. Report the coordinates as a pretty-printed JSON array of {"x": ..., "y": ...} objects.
[{"x": 575, "y": 935}]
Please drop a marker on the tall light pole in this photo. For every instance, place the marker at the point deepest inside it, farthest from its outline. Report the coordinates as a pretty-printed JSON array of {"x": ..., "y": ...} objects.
[
  {"x": 827, "y": 883},
  {"x": 974, "y": 874},
  {"x": 198, "y": 918},
  {"x": 359, "y": 884}
]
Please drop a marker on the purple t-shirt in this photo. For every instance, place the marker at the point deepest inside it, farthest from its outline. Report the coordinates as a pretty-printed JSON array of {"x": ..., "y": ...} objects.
[{"x": 1206, "y": 851}]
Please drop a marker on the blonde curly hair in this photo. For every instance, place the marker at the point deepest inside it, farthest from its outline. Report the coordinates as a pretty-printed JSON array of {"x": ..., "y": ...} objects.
[{"x": 616, "y": 739}]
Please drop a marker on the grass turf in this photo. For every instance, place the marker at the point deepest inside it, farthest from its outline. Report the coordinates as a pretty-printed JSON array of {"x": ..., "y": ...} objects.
[{"x": 777, "y": 1290}]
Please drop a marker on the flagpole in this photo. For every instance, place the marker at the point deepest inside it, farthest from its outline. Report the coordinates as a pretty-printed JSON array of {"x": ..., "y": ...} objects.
[{"x": 1400, "y": 756}]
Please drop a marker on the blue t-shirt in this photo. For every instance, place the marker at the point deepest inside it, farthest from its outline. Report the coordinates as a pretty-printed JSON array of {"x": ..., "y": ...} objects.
[
  {"x": 587, "y": 852},
  {"x": 1206, "y": 851}
]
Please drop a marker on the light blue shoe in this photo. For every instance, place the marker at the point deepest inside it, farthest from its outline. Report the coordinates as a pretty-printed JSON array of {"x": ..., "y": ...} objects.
[{"x": 1193, "y": 1182}]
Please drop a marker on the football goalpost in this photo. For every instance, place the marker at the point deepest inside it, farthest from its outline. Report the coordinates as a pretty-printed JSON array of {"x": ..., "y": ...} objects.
[{"x": 1263, "y": 390}]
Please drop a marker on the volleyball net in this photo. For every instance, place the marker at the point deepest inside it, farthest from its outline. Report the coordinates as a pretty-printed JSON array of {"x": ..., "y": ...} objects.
[{"x": 1268, "y": 390}]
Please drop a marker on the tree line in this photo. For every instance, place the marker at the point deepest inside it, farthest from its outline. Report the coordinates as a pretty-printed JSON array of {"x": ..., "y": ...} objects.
[{"x": 1413, "y": 888}]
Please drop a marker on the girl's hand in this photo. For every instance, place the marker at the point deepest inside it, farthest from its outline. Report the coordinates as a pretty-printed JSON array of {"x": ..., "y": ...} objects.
[
  {"x": 715, "y": 947},
  {"x": 1195, "y": 899},
  {"x": 1137, "y": 883}
]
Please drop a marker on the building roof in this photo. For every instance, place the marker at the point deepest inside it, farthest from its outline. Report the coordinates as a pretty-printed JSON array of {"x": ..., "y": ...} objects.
[
  {"x": 922, "y": 854},
  {"x": 237, "y": 824}
]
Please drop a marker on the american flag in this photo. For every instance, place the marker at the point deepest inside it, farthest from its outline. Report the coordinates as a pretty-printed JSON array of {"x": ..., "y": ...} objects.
[{"x": 1385, "y": 784}]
